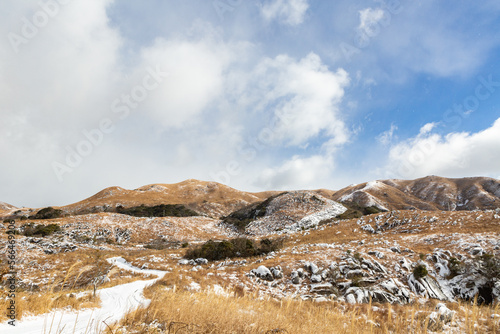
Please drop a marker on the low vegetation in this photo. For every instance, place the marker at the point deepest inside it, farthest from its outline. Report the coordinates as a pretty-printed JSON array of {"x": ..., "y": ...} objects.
[
  {"x": 162, "y": 210},
  {"x": 356, "y": 211},
  {"x": 47, "y": 213},
  {"x": 456, "y": 267},
  {"x": 161, "y": 243},
  {"x": 420, "y": 271},
  {"x": 32, "y": 230},
  {"x": 239, "y": 247}
]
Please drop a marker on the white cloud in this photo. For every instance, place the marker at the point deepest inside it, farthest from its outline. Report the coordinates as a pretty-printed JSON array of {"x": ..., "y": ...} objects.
[
  {"x": 427, "y": 128},
  {"x": 453, "y": 155},
  {"x": 386, "y": 137},
  {"x": 216, "y": 94},
  {"x": 369, "y": 20},
  {"x": 305, "y": 96},
  {"x": 297, "y": 173},
  {"x": 196, "y": 75},
  {"x": 290, "y": 12}
]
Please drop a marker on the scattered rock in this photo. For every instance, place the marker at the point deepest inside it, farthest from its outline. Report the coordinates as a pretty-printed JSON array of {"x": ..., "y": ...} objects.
[
  {"x": 263, "y": 272},
  {"x": 201, "y": 261},
  {"x": 311, "y": 267},
  {"x": 277, "y": 272},
  {"x": 316, "y": 278},
  {"x": 440, "y": 317}
]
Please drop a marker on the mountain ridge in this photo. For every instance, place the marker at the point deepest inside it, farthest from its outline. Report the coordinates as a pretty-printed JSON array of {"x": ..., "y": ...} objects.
[{"x": 430, "y": 193}]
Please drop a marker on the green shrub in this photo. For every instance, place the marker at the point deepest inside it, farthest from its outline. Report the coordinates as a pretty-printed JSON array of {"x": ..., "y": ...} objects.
[
  {"x": 420, "y": 271},
  {"x": 358, "y": 257},
  {"x": 185, "y": 244},
  {"x": 162, "y": 210},
  {"x": 47, "y": 213},
  {"x": 161, "y": 243},
  {"x": 490, "y": 266},
  {"x": 456, "y": 267},
  {"x": 350, "y": 214},
  {"x": 40, "y": 230},
  {"x": 239, "y": 247},
  {"x": 354, "y": 210}
]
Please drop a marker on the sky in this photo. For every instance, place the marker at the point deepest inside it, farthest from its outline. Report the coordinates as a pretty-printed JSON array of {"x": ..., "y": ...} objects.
[{"x": 257, "y": 94}]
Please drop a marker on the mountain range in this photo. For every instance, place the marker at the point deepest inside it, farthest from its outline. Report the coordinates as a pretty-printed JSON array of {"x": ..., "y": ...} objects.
[{"x": 212, "y": 199}]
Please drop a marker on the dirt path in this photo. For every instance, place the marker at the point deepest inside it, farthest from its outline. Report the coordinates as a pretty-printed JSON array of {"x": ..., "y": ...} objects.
[{"x": 115, "y": 303}]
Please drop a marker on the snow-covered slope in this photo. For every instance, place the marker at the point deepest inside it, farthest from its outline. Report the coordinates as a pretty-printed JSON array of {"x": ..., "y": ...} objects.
[
  {"x": 6, "y": 207},
  {"x": 292, "y": 211},
  {"x": 428, "y": 193}
]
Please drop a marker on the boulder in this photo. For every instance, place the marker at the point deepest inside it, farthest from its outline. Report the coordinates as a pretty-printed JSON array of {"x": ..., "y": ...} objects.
[
  {"x": 201, "y": 261},
  {"x": 440, "y": 317},
  {"x": 263, "y": 272},
  {"x": 350, "y": 299},
  {"x": 277, "y": 272},
  {"x": 311, "y": 267},
  {"x": 427, "y": 286},
  {"x": 323, "y": 289},
  {"x": 316, "y": 278}
]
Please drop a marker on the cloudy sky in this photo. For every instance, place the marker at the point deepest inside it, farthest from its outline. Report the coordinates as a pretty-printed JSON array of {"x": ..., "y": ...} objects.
[{"x": 257, "y": 94}]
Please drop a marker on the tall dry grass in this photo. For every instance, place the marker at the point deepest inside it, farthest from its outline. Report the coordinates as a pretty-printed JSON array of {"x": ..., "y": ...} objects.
[
  {"x": 44, "y": 302},
  {"x": 207, "y": 312}
]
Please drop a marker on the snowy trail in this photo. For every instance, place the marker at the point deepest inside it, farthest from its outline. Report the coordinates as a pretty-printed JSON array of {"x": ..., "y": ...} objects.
[{"x": 116, "y": 302}]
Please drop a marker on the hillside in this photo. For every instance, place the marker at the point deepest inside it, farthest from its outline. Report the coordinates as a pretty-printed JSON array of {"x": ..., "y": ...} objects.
[
  {"x": 5, "y": 207},
  {"x": 208, "y": 198},
  {"x": 289, "y": 211},
  {"x": 429, "y": 193}
]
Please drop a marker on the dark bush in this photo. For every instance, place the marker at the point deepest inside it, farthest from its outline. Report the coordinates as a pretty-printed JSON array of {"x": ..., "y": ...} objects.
[
  {"x": 358, "y": 257},
  {"x": 31, "y": 230},
  {"x": 47, "y": 213},
  {"x": 356, "y": 211},
  {"x": 162, "y": 210},
  {"x": 239, "y": 247},
  {"x": 370, "y": 210},
  {"x": 350, "y": 214},
  {"x": 456, "y": 267},
  {"x": 490, "y": 267},
  {"x": 420, "y": 271}
]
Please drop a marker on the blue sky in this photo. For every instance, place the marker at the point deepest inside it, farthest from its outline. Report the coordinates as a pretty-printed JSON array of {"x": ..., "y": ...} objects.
[{"x": 264, "y": 94}]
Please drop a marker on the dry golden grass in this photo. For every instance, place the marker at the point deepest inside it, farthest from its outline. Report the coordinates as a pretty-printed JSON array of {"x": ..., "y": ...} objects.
[
  {"x": 206, "y": 312},
  {"x": 44, "y": 302}
]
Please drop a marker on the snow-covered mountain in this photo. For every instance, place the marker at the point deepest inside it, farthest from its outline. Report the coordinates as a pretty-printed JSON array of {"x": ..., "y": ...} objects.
[{"x": 428, "y": 193}]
